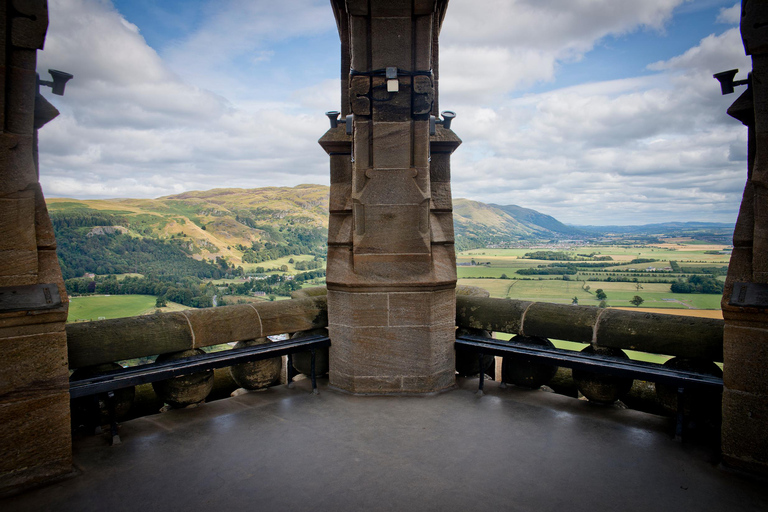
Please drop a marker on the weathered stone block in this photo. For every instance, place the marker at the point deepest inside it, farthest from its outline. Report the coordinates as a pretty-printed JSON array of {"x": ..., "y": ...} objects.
[
  {"x": 391, "y": 145},
  {"x": 26, "y": 318},
  {"x": 760, "y": 252},
  {"x": 213, "y": 326},
  {"x": 49, "y": 271},
  {"x": 393, "y": 187},
  {"x": 34, "y": 365},
  {"x": 391, "y": 43},
  {"x": 440, "y": 168},
  {"x": 422, "y": 308},
  {"x": 17, "y": 161},
  {"x": 436, "y": 382},
  {"x": 339, "y": 268},
  {"x": 19, "y": 265},
  {"x": 357, "y": 7},
  {"x": 443, "y": 264},
  {"x": 745, "y": 349},
  {"x": 341, "y": 169},
  {"x": 106, "y": 341},
  {"x": 661, "y": 334},
  {"x": 360, "y": 95},
  {"x": 421, "y": 144},
  {"x": 745, "y": 422},
  {"x": 391, "y": 8},
  {"x": 28, "y": 30},
  {"x": 36, "y": 442},
  {"x": 186, "y": 389},
  {"x": 362, "y": 150},
  {"x": 421, "y": 7},
  {"x": 46, "y": 238},
  {"x": 21, "y": 89},
  {"x": 387, "y": 352},
  {"x": 339, "y": 228},
  {"x": 17, "y": 223},
  {"x": 358, "y": 37},
  {"x": 391, "y": 269},
  {"x": 441, "y": 196},
  {"x": 490, "y": 314},
  {"x": 393, "y": 229},
  {"x": 358, "y": 309},
  {"x": 340, "y": 197},
  {"x": 423, "y": 42},
  {"x": 289, "y": 316},
  {"x": 256, "y": 374},
  {"x": 574, "y": 323},
  {"x": 742, "y": 234},
  {"x": 391, "y": 106},
  {"x": 442, "y": 227}
]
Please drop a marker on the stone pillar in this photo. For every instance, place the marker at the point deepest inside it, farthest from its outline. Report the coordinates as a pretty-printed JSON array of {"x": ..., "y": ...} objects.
[
  {"x": 35, "y": 441},
  {"x": 391, "y": 264},
  {"x": 745, "y": 299}
]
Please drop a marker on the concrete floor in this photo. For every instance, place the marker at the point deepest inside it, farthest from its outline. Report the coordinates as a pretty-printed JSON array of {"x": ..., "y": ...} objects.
[{"x": 289, "y": 450}]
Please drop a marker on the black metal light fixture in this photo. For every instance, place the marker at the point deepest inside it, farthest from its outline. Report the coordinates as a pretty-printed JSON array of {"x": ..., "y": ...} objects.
[
  {"x": 60, "y": 79},
  {"x": 448, "y": 116},
  {"x": 727, "y": 83},
  {"x": 333, "y": 117}
]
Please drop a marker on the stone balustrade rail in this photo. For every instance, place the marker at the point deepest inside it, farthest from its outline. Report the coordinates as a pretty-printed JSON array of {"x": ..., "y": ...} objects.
[
  {"x": 106, "y": 341},
  {"x": 673, "y": 335}
]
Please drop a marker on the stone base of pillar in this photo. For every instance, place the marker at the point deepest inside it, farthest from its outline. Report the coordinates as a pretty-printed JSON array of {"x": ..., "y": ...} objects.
[
  {"x": 745, "y": 397},
  {"x": 397, "y": 342},
  {"x": 35, "y": 427}
]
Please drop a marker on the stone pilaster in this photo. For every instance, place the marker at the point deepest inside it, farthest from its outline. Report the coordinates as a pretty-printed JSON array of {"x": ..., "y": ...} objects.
[
  {"x": 35, "y": 442},
  {"x": 391, "y": 264},
  {"x": 745, "y": 337}
]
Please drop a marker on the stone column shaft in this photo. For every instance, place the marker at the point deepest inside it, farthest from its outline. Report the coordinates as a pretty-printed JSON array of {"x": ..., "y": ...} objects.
[
  {"x": 391, "y": 264},
  {"x": 35, "y": 439},
  {"x": 745, "y": 337}
]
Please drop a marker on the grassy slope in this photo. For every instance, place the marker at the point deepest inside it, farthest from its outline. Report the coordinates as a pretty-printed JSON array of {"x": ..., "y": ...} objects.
[
  {"x": 114, "y": 306},
  {"x": 185, "y": 215}
]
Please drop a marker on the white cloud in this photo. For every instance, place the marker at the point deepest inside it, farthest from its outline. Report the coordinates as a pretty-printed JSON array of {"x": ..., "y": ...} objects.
[
  {"x": 641, "y": 149},
  {"x": 132, "y": 127},
  {"x": 510, "y": 44},
  {"x": 730, "y": 15}
]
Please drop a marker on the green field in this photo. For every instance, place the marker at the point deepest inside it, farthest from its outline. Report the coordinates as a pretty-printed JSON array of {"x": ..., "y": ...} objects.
[
  {"x": 491, "y": 264},
  {"x": 101, "y": 307}
]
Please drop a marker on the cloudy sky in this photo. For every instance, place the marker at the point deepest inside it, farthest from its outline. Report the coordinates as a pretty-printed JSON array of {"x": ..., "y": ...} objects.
[{"x": 593, "y": 111}]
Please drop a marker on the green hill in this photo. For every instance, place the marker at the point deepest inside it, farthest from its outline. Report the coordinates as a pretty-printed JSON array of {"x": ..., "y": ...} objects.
[{"x": 242, "y": 226}]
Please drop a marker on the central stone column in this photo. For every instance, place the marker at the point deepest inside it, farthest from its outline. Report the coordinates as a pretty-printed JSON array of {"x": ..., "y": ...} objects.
[{"x": 391, "y": 264}]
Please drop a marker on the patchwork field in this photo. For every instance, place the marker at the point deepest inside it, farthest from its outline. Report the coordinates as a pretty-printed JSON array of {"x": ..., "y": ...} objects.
[{"x": 496, "y": 270}]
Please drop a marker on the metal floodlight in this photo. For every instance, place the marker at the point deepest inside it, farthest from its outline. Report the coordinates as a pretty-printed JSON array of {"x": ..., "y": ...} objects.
[
  {"x": 333, "y": 116},
  {"x": 60, "y": 79},
  {"x": 726, "y": 79},
  {"x": 448, "y": 116}
]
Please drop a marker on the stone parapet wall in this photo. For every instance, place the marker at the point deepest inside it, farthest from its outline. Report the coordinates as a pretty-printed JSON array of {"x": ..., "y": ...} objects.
[
  {"x": 673, "y": 335},
  {"x": 106, "y": 341}
]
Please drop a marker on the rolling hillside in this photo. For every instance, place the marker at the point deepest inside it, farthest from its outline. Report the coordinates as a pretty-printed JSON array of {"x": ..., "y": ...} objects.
[{"x": 253, "y": 225}]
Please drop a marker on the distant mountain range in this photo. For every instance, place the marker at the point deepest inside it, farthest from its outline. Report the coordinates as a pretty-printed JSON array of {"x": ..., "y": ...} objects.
[{"x": 251, "y": 225}]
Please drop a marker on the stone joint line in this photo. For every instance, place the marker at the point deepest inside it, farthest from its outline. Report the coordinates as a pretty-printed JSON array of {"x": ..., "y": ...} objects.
[
  {"x": 521, "y": 332},
  {"x": 596, "y": 327},
  {"x": 191, "y": 330},
  {"x": 261, "y": 325}
]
